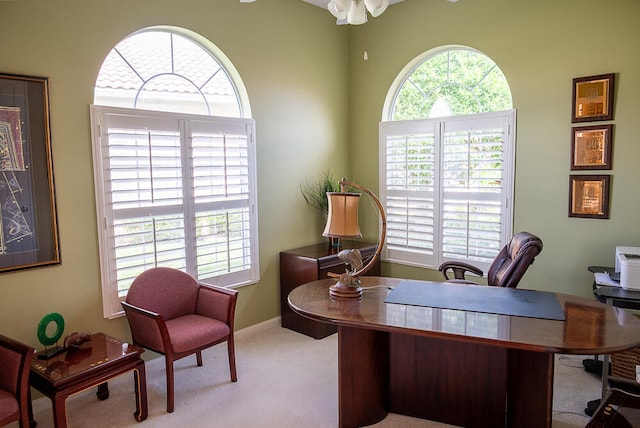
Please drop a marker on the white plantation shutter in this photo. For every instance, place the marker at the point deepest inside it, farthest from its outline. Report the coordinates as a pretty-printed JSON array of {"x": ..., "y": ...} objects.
[
  {"x": 447, "y": 188},
  {"x": 177, "y": 191},
  {"x": 409, "y": 189}
]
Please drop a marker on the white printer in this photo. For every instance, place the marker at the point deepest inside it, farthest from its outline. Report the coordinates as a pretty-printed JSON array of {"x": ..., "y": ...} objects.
[{"x": 628, "y": 266}]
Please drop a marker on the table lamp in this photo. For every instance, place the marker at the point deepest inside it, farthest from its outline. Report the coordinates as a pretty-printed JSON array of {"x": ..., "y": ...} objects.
[{"x": 342, "y": 222}]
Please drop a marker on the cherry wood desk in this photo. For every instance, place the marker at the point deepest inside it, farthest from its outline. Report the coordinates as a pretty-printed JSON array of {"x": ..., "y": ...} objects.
[
  {"x": 93, "y": 364},
  {"x": 463, "y": 368}
]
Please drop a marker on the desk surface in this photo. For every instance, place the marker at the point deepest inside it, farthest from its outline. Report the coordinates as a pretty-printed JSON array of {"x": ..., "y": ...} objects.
[{"x": 590, "y": 327}]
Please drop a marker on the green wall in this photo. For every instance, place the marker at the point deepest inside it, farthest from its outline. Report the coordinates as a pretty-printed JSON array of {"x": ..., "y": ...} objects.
[
  {"x": 317, "y": 104},
  {"x": 540, "y": 46},
  {"x": 293, "y": 61}
]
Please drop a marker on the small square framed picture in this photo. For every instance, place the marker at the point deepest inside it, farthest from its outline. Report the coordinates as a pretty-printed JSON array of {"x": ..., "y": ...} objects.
[
  {"x": 589, "y": 196},
  {"x": 592, "y": 98},
  {"x": 591, "y": 147}
]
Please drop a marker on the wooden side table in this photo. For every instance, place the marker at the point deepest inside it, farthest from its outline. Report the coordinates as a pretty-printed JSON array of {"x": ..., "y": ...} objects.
[
  {"x": 92, "y": 364},
  {"x": 306, "y": 264}
]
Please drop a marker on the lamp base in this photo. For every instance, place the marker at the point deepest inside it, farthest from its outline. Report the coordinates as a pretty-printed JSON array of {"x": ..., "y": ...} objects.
[
  {"x": 347, "y": 287},
  {"x": 340, "y": 291}
]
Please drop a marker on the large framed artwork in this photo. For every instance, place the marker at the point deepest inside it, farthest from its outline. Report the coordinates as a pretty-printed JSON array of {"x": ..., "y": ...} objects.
[
  {"x": 28, "y": 224},
  {"x": 592, "y": 98}
]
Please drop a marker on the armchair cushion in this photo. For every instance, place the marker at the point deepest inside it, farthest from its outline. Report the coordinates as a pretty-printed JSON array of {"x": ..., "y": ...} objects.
[
  {"x": 195, "y": 332},
  {"x": 8, "y": 405}
]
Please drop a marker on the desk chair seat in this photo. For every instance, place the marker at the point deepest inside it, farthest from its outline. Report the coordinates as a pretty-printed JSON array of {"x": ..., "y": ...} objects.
[
  {"x": 171, "y": 313},
  {"x": 507, "y": 268}
]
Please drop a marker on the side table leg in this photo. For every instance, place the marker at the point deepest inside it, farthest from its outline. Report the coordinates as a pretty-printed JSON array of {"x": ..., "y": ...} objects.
[
  {"x": 140, "y": 381},
  {"x": 32, "y": 422},
  {"x": 103, "y": 391},
  {"x": 59, "y": 411}
]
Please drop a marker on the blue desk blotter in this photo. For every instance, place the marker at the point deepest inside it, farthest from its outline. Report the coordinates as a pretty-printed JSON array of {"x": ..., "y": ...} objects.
[{"x": 478, "y": 298}]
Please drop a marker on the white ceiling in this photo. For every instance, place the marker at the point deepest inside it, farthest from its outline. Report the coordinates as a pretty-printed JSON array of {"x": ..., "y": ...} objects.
[{"x": 323, "y": 3}]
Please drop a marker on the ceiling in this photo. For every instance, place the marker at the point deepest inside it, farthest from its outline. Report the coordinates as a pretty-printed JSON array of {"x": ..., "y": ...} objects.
[{"x": 323, "y": 3}]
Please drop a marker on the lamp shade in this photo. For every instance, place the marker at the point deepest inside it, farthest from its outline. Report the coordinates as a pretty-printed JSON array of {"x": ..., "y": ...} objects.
[{"x": 342, "y": 221}]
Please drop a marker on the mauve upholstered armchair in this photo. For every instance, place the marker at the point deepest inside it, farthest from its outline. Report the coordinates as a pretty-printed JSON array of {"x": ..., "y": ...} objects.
[
  {"x": 15, "y": 364},
  {"x": 507, "y": 268},
  {"x": 171, "y": 313}
]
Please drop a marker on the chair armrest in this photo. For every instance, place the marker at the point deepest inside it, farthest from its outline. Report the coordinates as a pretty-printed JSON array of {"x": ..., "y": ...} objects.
[
  {"x": 148, "y": 329},
  {"x": 459, "y": 270},
  {"x": 217, "y": 302}
]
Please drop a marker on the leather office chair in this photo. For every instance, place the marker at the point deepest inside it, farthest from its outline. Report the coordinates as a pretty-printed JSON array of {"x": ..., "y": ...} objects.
[
  {"x": 507, "y": 268},
  {"x": 171, "y": 313},
  {"x": 15, "y": 364}
]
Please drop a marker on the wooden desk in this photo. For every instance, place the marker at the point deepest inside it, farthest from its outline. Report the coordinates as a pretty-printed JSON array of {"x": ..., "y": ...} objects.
[
  {"x": 463, "y": 368},
  {"x": 93, "y": 364}
]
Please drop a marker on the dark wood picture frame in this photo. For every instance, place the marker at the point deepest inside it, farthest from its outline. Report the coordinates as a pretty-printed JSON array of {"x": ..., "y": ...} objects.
[
  {"x": 589, "y": 196},
  {"x": 28, "y": 223},
  {"x": 591, "y": 147},
  {"x": 592, "y": 98}
]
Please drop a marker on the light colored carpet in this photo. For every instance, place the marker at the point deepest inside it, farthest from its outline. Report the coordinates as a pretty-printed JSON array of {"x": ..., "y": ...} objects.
[{"x": 285, "y": 379}]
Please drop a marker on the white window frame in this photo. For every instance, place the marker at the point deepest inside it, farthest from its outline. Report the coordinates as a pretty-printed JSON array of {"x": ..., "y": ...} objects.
[
  {"x": 104, "y": 207},
  {"x": 433, "y": 257}
]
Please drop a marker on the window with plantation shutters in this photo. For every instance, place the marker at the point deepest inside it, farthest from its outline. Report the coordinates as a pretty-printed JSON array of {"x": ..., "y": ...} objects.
[
  {"x": 446, "y": 179},
  {"x": 175, "y": 191},
  {"x": 174, "y": 165}
]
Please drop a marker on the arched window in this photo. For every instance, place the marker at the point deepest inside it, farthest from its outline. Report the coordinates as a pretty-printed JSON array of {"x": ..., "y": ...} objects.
[
  {"x": 447, "y": 143},
  {"x": 174, "y": 163},
  {"x": 452, "y": 82},
  {"x": 163, "y": 70}
]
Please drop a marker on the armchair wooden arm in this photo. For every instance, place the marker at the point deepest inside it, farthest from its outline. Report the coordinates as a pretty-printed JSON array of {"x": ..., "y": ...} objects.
[{"x": 148, "y": 329}]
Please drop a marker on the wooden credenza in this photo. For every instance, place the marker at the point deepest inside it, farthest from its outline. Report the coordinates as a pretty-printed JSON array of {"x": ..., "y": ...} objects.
[{"x": 311, "y": 263}]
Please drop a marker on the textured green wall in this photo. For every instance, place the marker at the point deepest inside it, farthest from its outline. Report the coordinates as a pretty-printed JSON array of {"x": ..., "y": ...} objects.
[
  {"x": 317, "y": 104},
  {"x": 540, "y": 46}
]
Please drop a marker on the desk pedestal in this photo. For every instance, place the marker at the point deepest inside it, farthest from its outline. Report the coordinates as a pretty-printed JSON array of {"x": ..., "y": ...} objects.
[{"x": 423, "y": 377}]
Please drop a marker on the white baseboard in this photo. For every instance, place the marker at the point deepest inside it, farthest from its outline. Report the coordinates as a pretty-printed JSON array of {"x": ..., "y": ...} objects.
[{"x": 259, "y": 327}]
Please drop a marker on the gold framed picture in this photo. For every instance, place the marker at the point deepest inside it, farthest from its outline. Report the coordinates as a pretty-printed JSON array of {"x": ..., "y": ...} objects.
[
  {"x": 591, "y": 147},
  {"x": 592, "y": 98},
  {"x": 28, "y": 225},
  {"x": 589, "y": 196}
]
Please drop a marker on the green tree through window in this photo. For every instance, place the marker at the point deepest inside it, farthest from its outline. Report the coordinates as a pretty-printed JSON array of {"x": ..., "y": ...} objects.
[{"x": 455, "y": 82}]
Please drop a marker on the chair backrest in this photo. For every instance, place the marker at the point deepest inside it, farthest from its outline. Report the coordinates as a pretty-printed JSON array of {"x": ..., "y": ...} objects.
[
  {"x": 15, "y": 363},
  {"x": 513, "y": 260},
  {"x": 165, "y": 291}
]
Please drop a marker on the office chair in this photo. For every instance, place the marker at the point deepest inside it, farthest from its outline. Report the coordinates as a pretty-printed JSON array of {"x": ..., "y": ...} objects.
[
  {"x": 507, "y": 268},
  {"x": 171, "y": 313},
  {"x": 15, "y": 364}
]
